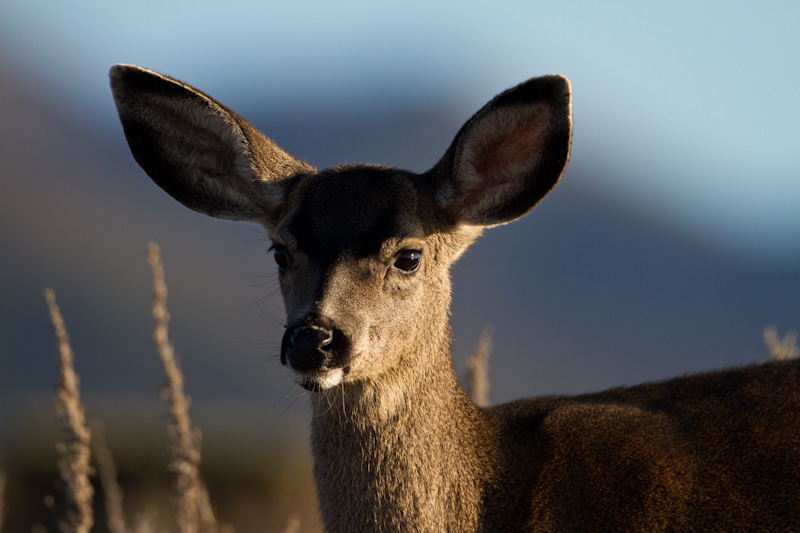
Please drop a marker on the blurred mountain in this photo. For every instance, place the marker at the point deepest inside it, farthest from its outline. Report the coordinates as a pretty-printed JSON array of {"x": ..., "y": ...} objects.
[{"x": 583, "y": 293}]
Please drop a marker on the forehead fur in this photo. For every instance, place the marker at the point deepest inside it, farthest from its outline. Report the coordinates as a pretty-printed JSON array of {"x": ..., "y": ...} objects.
[{"x": 352, "y": 210}]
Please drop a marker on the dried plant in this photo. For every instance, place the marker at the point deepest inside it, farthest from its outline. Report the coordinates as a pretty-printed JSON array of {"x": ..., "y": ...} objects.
[
  {"x": 478, "y": 369},
  {"x": 292, "y": 525},
  {"x": 145, "y": 522},
  {"x": 107, "y": 471},
  {"x": 781, "y": 348},
  {"x": 2, "y": 497},
  {"x": 194, "y": 509},
  {"x": 75, "y": 452}
]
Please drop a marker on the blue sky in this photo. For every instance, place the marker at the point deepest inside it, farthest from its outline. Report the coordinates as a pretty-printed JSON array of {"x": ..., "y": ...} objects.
[{"x": 687, "y": 110}]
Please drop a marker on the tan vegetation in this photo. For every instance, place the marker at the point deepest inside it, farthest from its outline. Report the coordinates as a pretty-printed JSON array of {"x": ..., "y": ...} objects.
[
  {"x": 478, "y": 369},
  {"x": 193, "y": 513},
  {"x": 107, "y": 471},
  {"x": 75, "y": 453},
  {"x": 2, "y": 497},
  {"x": 781, "y": 348}
]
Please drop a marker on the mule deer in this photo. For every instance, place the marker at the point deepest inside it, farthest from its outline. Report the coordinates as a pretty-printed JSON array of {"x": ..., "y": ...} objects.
[{"x": 364, "y": 254}]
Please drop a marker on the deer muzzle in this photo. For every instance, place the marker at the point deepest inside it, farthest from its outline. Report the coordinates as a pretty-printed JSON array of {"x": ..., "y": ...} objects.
[{"x": 309, "y": 351}]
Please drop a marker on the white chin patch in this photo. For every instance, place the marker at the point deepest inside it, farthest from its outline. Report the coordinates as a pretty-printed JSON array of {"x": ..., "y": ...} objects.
[{"x": 321, "y": 380}]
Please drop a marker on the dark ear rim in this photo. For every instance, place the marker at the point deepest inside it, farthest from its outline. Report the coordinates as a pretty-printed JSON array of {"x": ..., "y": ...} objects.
[
  {"x": 554, "y": 90},
  {"x": 124, "y": 76}
]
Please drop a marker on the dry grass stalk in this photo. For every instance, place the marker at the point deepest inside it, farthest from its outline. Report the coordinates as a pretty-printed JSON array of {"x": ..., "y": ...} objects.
[
  {"x": 781, "y": 348},
  {"x": 194, "y": 509},
  {"x": 145, "y": 522},
  {"x": 292, "y": 525},
  {"x": 2, "y": 497},
  {"x": 208, "y": 520},
  {"x": 107, "y": 471},
  {"x": 75, "y": 452},
  {"x": 478, "y": 369}
]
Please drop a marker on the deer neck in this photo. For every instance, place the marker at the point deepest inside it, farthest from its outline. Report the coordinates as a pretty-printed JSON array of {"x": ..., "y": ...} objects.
[{"x": 407, "y": 455}]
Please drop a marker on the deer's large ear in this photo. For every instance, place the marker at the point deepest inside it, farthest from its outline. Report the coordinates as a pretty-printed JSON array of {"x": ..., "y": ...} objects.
[
  {"x": 201, "y": 153},
  {"x": 508, "y": 156}
]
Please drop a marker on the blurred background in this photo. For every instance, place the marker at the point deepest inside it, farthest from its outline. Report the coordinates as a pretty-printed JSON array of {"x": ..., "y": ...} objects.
[{"x": 671, "y": 242}]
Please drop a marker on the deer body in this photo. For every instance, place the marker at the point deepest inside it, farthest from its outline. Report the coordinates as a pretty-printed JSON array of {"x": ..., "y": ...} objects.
[{"x": 364, "y": 254}]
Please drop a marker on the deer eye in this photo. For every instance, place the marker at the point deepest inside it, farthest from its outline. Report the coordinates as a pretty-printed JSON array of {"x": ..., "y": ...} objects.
[
  {"x": 408, "y": 260},
  {"x": 281, "y": 256}
]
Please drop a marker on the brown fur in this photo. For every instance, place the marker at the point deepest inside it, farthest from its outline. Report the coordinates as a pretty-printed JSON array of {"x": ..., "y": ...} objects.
[{"x": 365, "y": 254}]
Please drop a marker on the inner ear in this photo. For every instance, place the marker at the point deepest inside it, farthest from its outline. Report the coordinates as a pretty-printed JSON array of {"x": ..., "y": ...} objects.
[
  {"x": 508, "y": 156},
  {"x": 505, "y": 151}
]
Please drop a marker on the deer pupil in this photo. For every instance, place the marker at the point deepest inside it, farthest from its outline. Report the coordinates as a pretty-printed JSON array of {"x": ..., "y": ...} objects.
[
  {"x": 408, "y": 260},
  {"x": 281, "y": 257}
]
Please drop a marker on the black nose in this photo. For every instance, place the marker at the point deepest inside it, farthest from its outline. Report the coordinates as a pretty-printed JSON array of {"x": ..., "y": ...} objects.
[{"x": 304, "y": 348}]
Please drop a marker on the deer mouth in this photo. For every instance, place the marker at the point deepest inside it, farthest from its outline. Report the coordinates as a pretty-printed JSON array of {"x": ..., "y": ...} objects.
[
  {"x": 317, "y": 356},
  {"x": 319, "y": 380}
]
